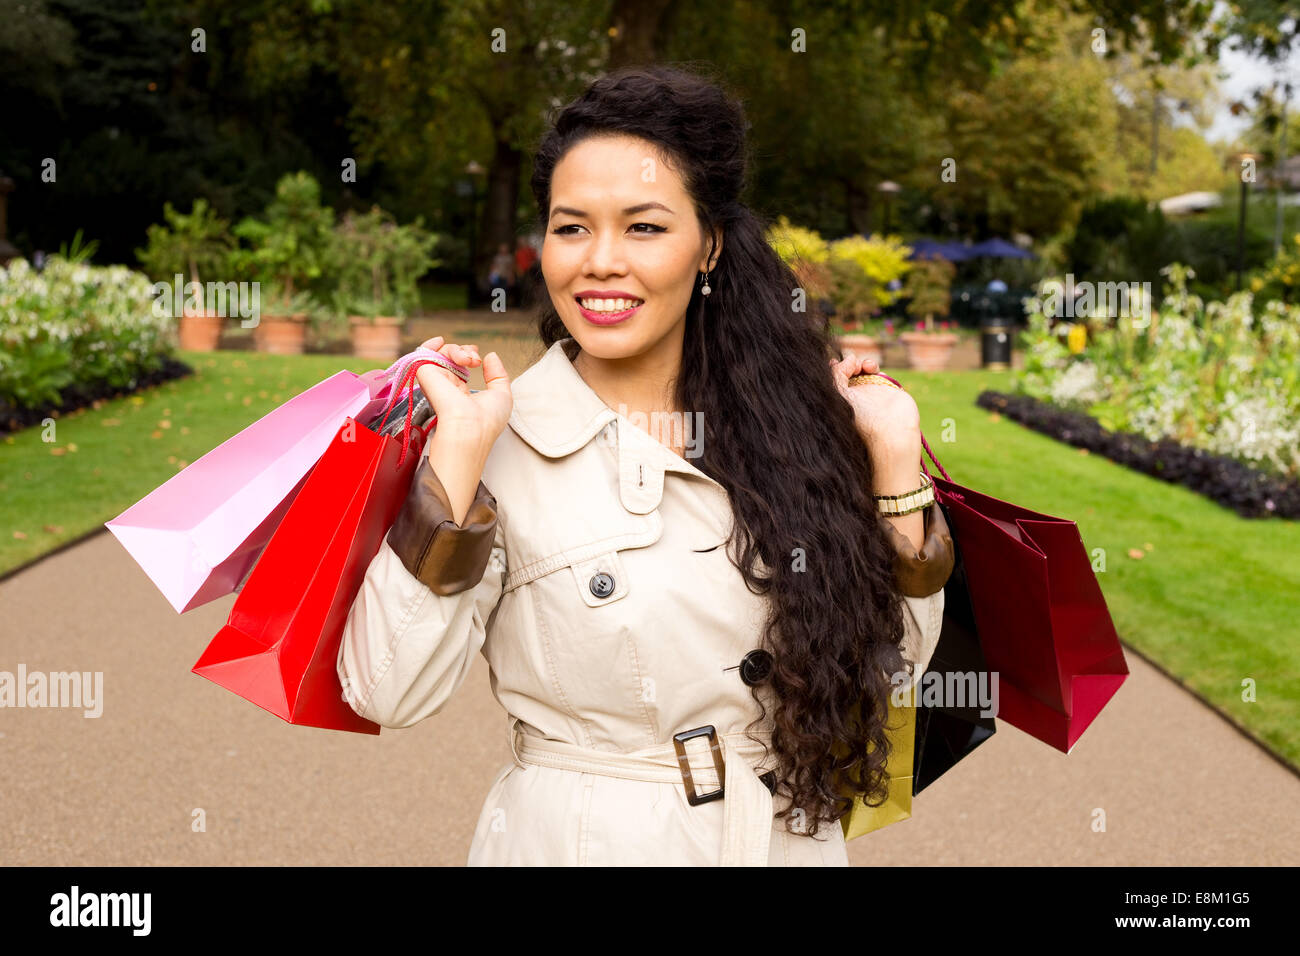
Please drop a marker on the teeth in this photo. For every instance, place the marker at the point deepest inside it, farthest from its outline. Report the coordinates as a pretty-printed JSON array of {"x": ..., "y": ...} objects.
[{"x": 609, "y": 305}]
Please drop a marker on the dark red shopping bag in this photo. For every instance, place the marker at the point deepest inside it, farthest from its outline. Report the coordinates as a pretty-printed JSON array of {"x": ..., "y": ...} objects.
[
  {"x": 279, "y": 648},
  {"x": 1042, "y": 621}
]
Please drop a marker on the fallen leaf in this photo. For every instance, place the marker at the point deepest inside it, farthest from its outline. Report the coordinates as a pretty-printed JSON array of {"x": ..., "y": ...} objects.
[
  {"x": 248, "y": 399},
  {"x": 1149, "y": 546},
  {"x": 137, "y": 400},
  {"x": 20, "y": 536},
  {"x": 171, "y": 459},
  {"x": 1136, "y": 554},
  {"x": 155, "y": 434},
  {"x": 185, "y": 429},
  {"x": 54, "y": 528},
  {"x": 111, "y": 422},
  {"x": 995, "y": 416},
  {"x": 58, "y": 452},
  {"x": 182, "y": 464},
  {"x": 1083, "y": 451},
  {"x": 164, "y": 424},
  {"x": 72, "y": 446}
]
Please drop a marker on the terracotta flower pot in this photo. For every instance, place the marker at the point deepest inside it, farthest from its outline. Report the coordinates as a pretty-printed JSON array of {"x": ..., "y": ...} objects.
[
  {"x": 863, "y": 346},
  {"x": 281, "y": 334},
  {"x": 929, "y": 351},
  {"x": 377, "y": 338},
  {"x": 200, "y": 331}
]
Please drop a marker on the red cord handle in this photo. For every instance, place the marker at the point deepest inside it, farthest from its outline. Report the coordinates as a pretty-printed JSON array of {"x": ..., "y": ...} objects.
[{"x": 407, "y": 386}]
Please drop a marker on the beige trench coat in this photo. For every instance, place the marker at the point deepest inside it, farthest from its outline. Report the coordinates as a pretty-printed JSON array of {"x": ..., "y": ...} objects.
[{"x": 593, "y": 577}]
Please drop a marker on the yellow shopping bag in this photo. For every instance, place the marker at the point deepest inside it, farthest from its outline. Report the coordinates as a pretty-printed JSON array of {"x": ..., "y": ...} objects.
[{"x": 901, "y": 730}]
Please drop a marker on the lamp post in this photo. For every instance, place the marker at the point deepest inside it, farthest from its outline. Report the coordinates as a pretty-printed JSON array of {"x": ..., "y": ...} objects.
[
  {"x": 888, "y": 189},
  {"x": 1240, "y": 158}
]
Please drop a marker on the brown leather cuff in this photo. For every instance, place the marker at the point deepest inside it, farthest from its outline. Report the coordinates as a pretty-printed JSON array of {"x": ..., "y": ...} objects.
[
  {"x": 922, "y": 574},
  {"x": 448, "y": 558}
]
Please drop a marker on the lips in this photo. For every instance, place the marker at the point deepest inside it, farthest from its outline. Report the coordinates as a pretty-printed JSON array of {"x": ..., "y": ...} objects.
[{"x": 607, "y": 318}]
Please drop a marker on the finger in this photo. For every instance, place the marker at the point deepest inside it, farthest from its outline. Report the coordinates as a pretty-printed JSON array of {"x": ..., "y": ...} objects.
[
  {"x": 432, "y": 343},
  {"x": 494, "y": 373},
  {"x": 461, "y": 355},
  {"x": 439, "y": 385}
]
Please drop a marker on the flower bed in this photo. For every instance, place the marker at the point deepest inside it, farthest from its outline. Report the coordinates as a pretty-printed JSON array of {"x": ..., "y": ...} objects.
[
  {"x": 74, "y": 333},
  {"x": 1249, "y": 492},
  {"x": 1218, "y": 377}
]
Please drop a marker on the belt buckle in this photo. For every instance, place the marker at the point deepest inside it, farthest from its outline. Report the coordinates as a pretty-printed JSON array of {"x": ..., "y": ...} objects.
[
  {"x": 679, "y": 743},
  {"x": 709, "y": 731}
]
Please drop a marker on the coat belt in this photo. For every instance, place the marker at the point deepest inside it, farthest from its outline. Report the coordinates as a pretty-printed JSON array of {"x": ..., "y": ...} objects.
[{"x": 747, "y": 803}]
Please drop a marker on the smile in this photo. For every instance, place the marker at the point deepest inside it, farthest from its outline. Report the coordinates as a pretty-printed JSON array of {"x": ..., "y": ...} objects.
[{"x": 608, "y": 311}]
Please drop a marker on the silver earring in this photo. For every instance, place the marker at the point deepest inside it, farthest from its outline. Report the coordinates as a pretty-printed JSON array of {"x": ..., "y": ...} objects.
[{"x": 704, "y": 289}]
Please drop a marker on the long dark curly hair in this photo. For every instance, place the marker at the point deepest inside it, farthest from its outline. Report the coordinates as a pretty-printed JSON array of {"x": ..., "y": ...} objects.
[{"x": 778, "y": 436}]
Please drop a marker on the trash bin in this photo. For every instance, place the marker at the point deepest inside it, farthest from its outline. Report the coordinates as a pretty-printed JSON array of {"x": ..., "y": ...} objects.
[{"x": 995, "y": 343}]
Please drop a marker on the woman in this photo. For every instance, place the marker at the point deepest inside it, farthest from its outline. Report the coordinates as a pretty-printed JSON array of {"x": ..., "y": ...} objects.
[{"x": 693, "y": 628}]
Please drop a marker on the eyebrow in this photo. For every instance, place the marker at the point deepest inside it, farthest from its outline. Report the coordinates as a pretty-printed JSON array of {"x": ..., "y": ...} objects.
[{"x": 629, "y": 211}]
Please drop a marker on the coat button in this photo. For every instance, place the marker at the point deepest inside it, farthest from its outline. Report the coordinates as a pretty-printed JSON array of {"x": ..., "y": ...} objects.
[
  {"x": 756, "y": 667},
  {"x": 602, "y": 585}
]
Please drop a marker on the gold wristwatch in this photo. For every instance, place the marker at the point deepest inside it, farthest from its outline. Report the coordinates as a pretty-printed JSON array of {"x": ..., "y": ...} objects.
[{"x": 909, "y": 501}]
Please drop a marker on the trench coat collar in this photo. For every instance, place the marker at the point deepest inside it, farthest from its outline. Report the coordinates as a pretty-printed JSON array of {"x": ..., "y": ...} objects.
[{"x": 556, "y": 413}]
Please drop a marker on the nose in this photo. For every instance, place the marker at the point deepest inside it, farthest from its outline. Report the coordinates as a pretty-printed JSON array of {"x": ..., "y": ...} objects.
[{"x": 605, "y": 255}]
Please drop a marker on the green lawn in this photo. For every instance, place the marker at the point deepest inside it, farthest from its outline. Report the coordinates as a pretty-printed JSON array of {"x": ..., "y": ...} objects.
[
  {"x": 106, "y": 459},
  {"x": 1214, "y": 598}
]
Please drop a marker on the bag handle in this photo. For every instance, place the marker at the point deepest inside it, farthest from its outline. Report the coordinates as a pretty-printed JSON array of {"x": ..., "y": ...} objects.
[
  {"x": 407, "y": 384},
  {"x": 924, "y": 444}
]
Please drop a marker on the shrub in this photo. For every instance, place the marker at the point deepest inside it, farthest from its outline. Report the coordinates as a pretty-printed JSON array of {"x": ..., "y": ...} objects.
[{"x": 75, "y": 324}]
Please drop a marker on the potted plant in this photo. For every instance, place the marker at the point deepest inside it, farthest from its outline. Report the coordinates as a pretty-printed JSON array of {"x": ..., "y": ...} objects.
[
  {"x": 379, "y": 264},
  {"x": 194, "y": 245},
  {"x": 864, "y": 279},
  {"x": 289, "y": 247},
  {"x": 929, "y": 284}
]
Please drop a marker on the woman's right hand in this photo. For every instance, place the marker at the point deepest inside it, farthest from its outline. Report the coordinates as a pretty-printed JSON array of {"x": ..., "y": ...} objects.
[{"x": 464, "y": 418}]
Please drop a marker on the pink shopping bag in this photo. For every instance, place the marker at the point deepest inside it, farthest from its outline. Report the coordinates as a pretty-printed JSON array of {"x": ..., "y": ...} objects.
[{"x": 198, "y": 535}]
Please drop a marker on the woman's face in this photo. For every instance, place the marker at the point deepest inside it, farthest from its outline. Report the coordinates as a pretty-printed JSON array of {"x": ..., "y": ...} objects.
[{"x": 621, "y": 226}]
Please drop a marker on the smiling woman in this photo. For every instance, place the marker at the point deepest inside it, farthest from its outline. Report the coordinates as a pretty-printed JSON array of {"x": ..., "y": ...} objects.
[{"x": 671, "y": 701}]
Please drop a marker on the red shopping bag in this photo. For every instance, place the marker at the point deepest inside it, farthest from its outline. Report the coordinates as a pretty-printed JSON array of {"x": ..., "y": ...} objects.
[
  {"x": 1042, "y": 621},
  {"x": 280, "y": 645}
]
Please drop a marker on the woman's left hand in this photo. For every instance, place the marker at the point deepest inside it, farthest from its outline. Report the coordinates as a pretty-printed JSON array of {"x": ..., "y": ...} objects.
[{"x": 886, "y": 416}]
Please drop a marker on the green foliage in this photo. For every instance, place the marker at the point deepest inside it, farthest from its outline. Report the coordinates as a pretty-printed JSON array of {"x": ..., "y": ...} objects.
[
  {"x": 1281, "y": 279},
  {"x": 378, "y": 264},
  {"x": 289, "y": 245},
  {"x": 861, "y": 270},
  {"x": 75, "y": 324},
  {"x": 192, "y": 245},
  {"x": 929, "y": 286},
  {"x": 1122, "y": 239}
]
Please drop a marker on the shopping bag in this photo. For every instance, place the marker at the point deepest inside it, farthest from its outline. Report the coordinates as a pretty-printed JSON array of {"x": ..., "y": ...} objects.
[
  {"x": 952, "y": 724},
  {"x": 900, "y": 728},
  {"x": 279, "y": 648},
  {"x": 1043, "y": 623},
  {"x": 1042, "y": 620},
  {"x": 197, "y": 535}
]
